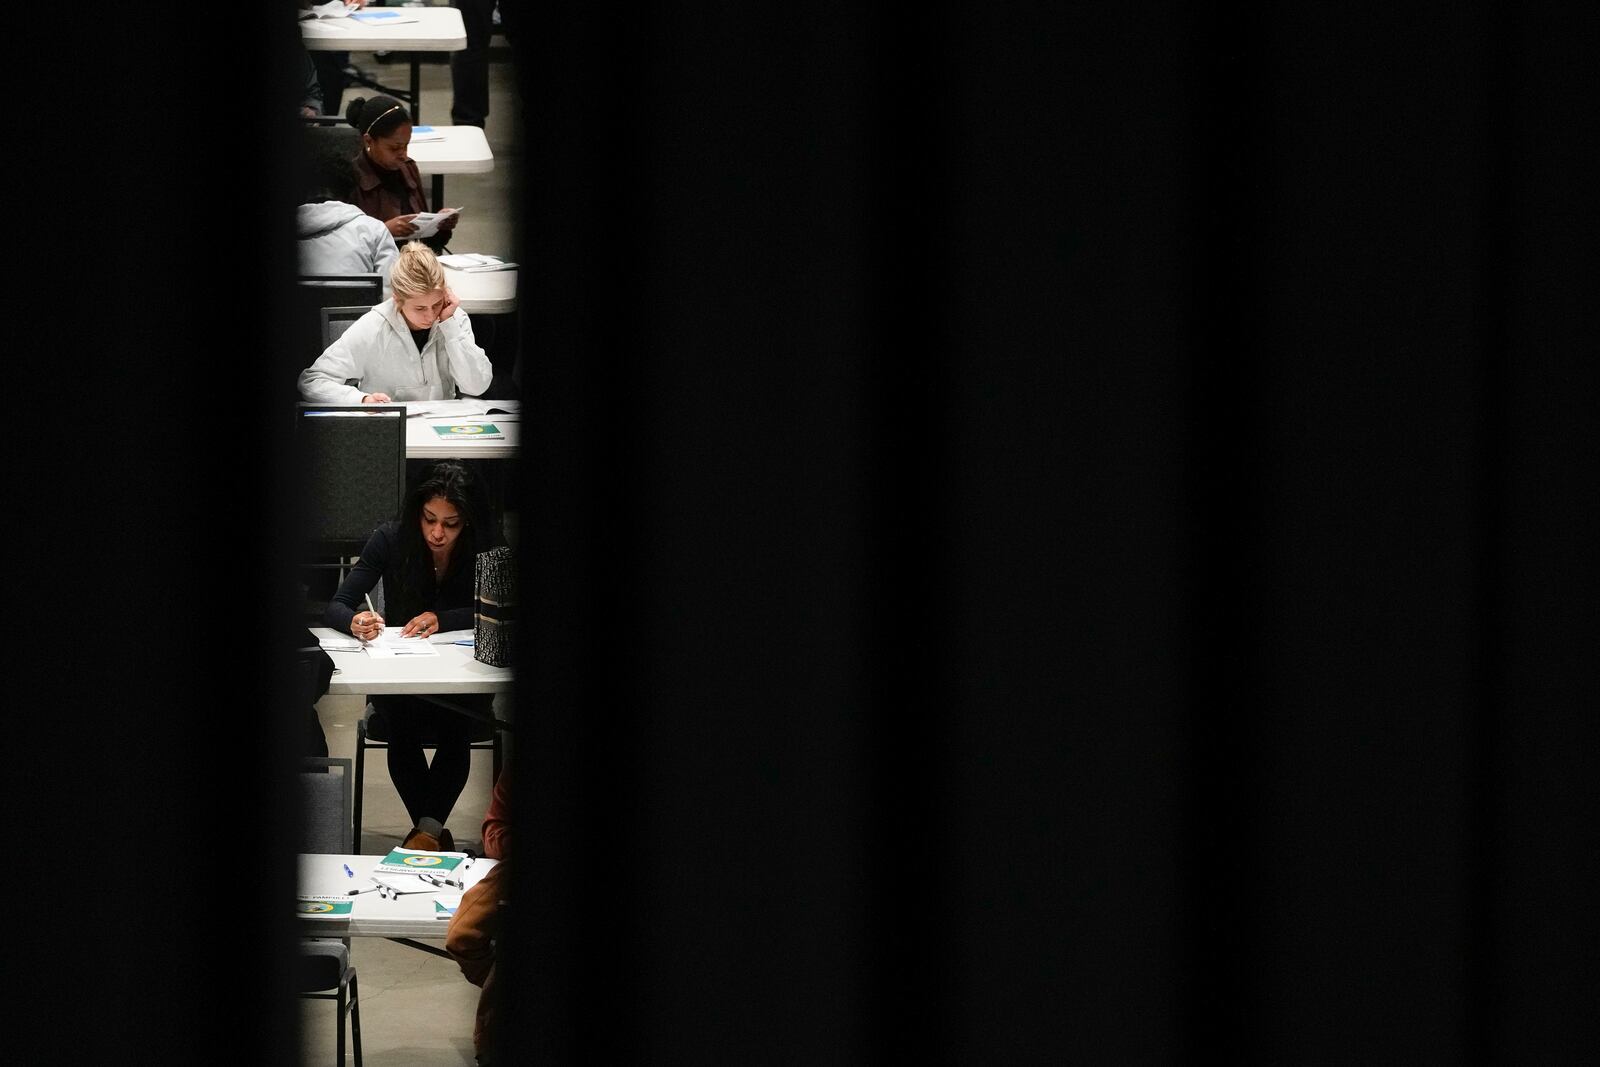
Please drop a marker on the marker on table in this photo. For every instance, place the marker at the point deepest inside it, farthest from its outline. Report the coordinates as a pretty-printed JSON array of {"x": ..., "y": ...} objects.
[{"x": 348, "y": 872}]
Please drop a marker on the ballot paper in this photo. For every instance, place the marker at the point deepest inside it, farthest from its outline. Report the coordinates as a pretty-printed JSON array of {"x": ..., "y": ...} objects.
[
  {"x": 427, "y": 222},
  {"x": 444, "y": 907},
  {"x": 389, "y": 644}
]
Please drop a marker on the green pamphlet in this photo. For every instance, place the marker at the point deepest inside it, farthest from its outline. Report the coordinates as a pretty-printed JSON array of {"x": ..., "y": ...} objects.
[
  {"x": 479, "y": 430},
  {"x": 413, "y": 861},
  {"x": 324, "y": 907}
]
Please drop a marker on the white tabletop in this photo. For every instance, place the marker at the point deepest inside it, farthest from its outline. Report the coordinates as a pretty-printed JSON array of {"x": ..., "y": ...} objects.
[
  {"x": 423, "y": 442},
  {"x": 462, "y": 150},
  {"x": 412, "y": 915},
  {"x": 437, "y": 29},
  {"x": 453, "y": 671},
  {"x": 484, "y": 292}
]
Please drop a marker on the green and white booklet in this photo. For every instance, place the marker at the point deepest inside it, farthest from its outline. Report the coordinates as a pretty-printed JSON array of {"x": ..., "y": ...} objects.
[
  {"x": 414, "y": 861},
  {"x": 477, "y": 431},
  {"x": 324, "y": 906}
]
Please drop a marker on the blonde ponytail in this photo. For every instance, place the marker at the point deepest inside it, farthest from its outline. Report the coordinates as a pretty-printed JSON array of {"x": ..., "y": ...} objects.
[{"x": 416, "y": 272}]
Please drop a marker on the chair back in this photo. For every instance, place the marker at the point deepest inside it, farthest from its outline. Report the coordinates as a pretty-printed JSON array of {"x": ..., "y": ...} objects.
[
  {"x": 325, "y": 803},
  {"x": 352, "y": 474},
  {"x": 329, "y": 133},
  {"x": 314, "y": 292},
  {"x": 336, "y": 320}
]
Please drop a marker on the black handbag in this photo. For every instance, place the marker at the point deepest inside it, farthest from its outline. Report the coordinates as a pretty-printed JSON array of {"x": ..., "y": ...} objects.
[{"x": 494, "y": 581}]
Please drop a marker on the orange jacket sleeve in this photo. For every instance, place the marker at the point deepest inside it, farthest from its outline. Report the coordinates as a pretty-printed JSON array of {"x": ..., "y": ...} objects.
[{"x": 497, "y": 823}]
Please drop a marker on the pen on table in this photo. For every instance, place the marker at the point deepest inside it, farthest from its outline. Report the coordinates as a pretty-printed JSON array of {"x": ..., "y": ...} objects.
[{"x": 348, "y": 872}]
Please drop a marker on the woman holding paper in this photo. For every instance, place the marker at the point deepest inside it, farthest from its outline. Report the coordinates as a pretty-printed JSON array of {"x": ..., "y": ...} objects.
[
  {"x": 388, "y": 184},
  {"x": 417, "y": 345},
  {"x": 425, "y": 561}
]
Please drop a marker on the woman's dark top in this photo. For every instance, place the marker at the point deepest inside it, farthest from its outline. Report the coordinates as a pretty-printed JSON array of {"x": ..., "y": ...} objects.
[
  {"x": 384, "y": 194},
  {"x": 450, "y": 599}
]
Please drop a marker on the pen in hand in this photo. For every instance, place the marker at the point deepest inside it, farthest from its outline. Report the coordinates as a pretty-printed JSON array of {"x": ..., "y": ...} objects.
[{"x": 373, "y": 611}]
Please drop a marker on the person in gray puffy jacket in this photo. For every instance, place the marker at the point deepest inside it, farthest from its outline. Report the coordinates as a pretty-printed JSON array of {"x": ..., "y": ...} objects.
[{"x": 336, "y": 237}]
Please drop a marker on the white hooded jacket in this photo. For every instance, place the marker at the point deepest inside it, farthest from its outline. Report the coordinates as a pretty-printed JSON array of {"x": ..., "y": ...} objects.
[
  {"x": 340, "y": 238},
  {"x": 377, "y": 353}
]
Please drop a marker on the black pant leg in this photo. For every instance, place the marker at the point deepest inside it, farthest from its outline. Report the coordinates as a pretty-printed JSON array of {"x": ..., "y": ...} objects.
[
  {"x": 469, "y": 68},
  {"x": 330, "y": 76},
  {"x": 406, "y": 718}
]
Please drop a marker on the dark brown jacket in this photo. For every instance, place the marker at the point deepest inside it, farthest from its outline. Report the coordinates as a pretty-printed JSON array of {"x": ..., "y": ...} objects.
[{"x": 377, "y": 200}]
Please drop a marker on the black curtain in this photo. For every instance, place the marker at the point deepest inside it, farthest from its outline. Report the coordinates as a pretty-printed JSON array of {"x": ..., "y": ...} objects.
[
  {"x": 1055, "y": 534},
  {"x": 1065, "y": 535}
]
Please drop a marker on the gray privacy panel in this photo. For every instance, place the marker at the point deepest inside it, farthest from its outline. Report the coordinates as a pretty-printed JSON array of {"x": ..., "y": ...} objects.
[{"x": 352, "y": 473}]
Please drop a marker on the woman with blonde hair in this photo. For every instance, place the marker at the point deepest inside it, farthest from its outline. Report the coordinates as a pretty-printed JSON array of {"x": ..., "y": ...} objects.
[{"x": 416, "y": 346}]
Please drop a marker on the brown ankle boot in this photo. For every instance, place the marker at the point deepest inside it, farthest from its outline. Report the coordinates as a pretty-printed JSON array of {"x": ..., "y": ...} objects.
[{"x": 429, "y": 836}]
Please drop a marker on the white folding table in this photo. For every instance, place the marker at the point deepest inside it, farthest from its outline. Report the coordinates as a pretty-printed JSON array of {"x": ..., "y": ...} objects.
[
  {"x": 424, "y": 442},
  {"x": 405, "y": 918},
  {"x": 451, "y": 673},
  {"x": 435, "y": 29},
  {"x": 484, "y": 292},
  {"x": 460, "y": 150}
]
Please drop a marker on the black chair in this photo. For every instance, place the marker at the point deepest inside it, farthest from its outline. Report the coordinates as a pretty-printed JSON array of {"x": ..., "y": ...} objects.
[
  {"x": 316, "y": 292},
  {"x": 323, "y": 970},
  {"x": 329, "y": 133},
  {"x": 352, "y": 471},
  {"x": 336, "y": 320}
]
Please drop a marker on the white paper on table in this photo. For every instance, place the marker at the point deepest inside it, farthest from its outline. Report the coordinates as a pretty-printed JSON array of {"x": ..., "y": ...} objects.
[
  {"x": 333, "y": 9},
  {"x": 475, "y": 262},
  {"x": 426, "y": 133},
  {"x": 459, "y": 409},
  {"x": 427, "y": 222},
  {"x": 339, "y": 644},
  {"x": 449, "y": 637},
  {"x": 389, "y": 644}
]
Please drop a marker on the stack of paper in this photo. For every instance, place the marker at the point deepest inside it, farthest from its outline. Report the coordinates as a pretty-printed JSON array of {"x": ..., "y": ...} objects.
[
  {"x": 475, "y": 262},
  {"x": 339, "y": 643},
  {"x": 426, "y": 133}
]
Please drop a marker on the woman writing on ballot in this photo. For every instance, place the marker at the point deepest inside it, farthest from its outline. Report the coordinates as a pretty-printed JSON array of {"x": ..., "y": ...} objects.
[{"x": 425, "y": 562}]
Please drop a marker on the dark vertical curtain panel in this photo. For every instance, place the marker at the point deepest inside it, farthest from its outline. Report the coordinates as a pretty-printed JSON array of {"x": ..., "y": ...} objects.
[
  {"x": 149, "y": 820},
  {"x": 1061, "y": 535}
]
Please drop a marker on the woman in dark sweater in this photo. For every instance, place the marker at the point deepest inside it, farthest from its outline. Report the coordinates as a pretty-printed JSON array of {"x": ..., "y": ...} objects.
[{"x": 425, "y": 561}]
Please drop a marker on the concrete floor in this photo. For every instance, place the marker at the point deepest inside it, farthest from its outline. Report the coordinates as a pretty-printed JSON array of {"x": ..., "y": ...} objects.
[{"x": 416, "y": 1009}]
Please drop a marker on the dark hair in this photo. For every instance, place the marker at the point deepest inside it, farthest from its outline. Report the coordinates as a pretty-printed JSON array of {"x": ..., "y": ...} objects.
[
  {"x": 332, "y": 176},
  {"x": 378, "y": 116},
  {"x": 479, "y": 531}
]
